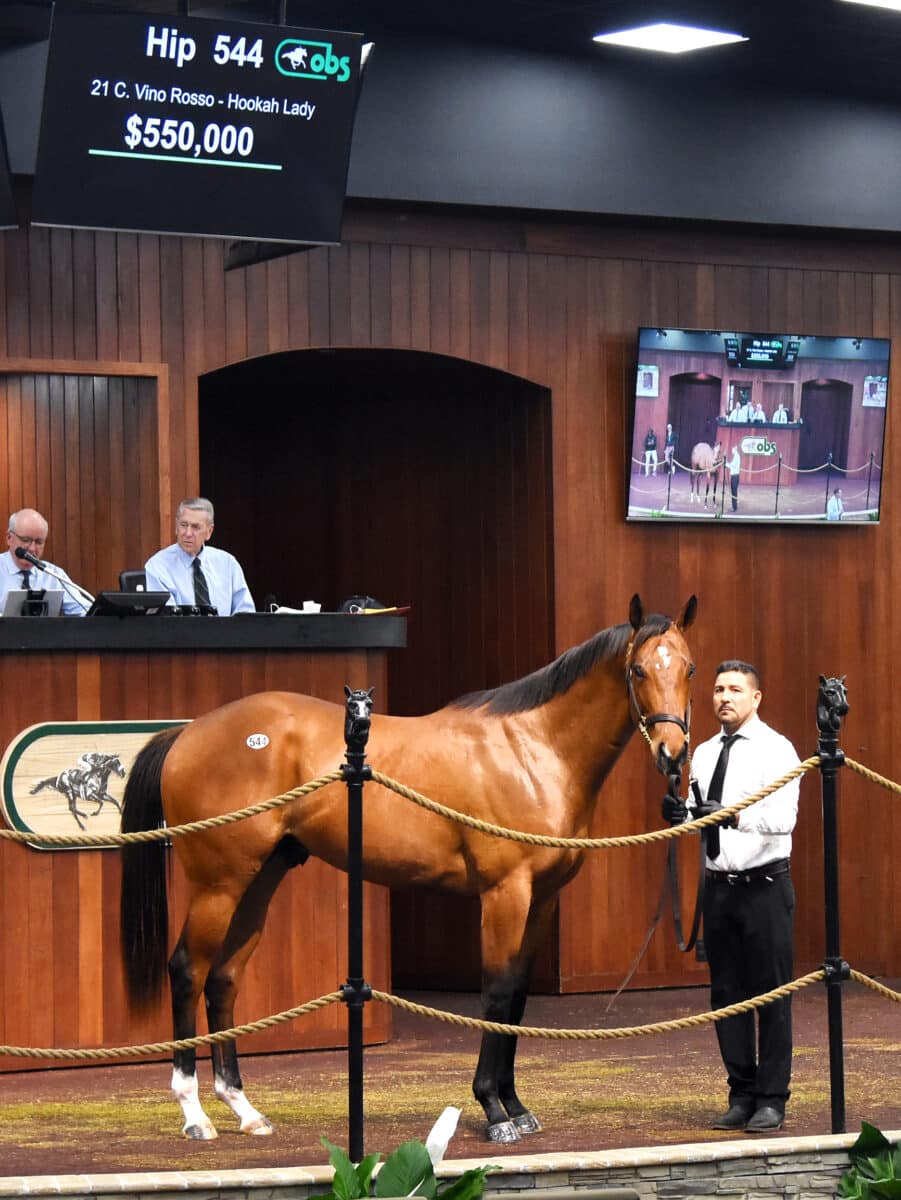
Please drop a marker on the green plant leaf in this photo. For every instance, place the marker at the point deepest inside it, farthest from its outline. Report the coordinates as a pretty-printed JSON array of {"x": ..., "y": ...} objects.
[
  {"x": 347, "y": 1184},
  {"x": 886, "y": 1189},
  {"x": 408, "y": 1171},
  {"x": 470, "y": 1185},
  {"x": 870, "y": 1142}
]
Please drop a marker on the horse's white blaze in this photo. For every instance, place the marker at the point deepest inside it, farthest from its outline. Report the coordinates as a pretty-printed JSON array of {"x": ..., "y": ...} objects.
[
  {"x": 187, "y": 1094},
  {"x": 252, "y": 1121},
  {"x": 665, "y": 658}
]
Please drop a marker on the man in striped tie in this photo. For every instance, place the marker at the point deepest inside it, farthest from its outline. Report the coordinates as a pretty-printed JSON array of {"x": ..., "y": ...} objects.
[
  {"x": 194, "y": 573},
  {"x": 28, "y": 531}
]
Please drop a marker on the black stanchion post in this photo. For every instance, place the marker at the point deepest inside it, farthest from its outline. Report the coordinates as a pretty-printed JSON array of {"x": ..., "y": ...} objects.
[
  {"x": 832, "y": 705},
  {"x": 358, "y": 709}
]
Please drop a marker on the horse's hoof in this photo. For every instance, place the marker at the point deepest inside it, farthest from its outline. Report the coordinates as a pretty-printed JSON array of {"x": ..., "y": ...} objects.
[
  {"x": 200, "y": 1133},
  {"x": 261, "y": 1127},
  {"x": 503, "y": 1132},
  {"x": 527, "y": 1122}
]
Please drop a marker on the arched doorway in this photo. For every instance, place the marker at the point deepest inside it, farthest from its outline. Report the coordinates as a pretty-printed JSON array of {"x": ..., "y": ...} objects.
[
  {"x": 694, "y": 405},
  {"x": 826, "y": 417},
  {"x": 412, "y": 477}
]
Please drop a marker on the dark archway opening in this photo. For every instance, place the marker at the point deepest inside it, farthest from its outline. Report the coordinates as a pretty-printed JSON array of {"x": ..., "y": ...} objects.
[
  {"x": 694, "y": 405},
  {"x": 415, "y": 478},
  {"x": 826, "y": 417}
]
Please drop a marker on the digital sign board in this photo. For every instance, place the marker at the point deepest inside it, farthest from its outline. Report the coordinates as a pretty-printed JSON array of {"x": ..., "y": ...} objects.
[
  {"x": 768, "y": 353},
  {"x": 196, "y": 126}
]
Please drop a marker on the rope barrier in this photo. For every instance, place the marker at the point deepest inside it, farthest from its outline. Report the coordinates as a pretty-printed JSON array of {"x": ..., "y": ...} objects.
[
  {"x": 637, "y": 839},
  {"x": 206, "y": 1039},
  {"x": 166, "y": 834},
  {"x": 873, "y": 776},
  {"x": 597, "y": 1035},
  {"x": 528, "y": 1031}
]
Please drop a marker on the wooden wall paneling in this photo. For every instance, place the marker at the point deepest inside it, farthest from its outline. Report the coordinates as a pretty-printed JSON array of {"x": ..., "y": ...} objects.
[
  {"x": 128, "y": 296},
  {"x": 299, "y": 330},
  {"x": 149, "y": 298},
  {"x": 83, "y": 266},
  {"x": 18, "y": 293},
  {"x": 279, "y": 325},
  {"x": 337, "y": 298},
  {"x": 401, "y": 293},
  {"x": 40, "y": 340},
  {"x": 62, "y": 298},
  {"x": 359, "y": 299},
  {"x": 319, "y": 280},
  {"x": 107, "y": 296},
  {"x": 380, "y": 291}
]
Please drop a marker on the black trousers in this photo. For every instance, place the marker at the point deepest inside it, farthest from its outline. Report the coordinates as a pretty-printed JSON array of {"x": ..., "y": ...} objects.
[
  {"x": 733, "y": 484},
  {"x": 748, "y": 938}
]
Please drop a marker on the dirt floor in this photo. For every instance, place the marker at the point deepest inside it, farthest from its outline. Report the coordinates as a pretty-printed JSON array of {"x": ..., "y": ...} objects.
[{"x": 589, "y": 1095}]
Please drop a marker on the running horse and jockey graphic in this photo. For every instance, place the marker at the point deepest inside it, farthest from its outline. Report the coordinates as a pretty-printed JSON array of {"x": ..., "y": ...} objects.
[
  {"x": 85, "y": 783},
  {"x": 530, "y": 755}
]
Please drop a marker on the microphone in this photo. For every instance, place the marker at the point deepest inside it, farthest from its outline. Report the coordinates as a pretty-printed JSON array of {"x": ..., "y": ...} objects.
[
  {"x": 29, "y": 557},
  {"x": 82, "y": 595}
]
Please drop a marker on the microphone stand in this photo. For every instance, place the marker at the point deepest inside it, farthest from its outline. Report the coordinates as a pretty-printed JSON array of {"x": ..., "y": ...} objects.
[{"x": 75, "y": 590}]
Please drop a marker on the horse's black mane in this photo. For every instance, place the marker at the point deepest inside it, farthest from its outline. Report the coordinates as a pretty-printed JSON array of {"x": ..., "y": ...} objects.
[{"x": 558, "y": 677}]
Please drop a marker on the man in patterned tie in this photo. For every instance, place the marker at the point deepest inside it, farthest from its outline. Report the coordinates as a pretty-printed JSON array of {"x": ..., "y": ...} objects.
[
  {"x": 749, "y": 899},
  {"x": 28, "y": 530},
  {"x": 195, "y": 573}
]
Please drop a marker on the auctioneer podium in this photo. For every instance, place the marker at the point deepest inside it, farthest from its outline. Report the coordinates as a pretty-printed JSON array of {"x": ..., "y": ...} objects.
[{"x": 59, "y": 947}]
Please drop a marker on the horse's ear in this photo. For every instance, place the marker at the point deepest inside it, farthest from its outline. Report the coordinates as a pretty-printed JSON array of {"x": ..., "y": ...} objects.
[
  {"x": 369, "y": 693},
  {"x": 636, "y": 612},
  {"x": 347, "y": 691},
  {"x": 689, "y": 612},
  {"x": 823, "y": 680}
]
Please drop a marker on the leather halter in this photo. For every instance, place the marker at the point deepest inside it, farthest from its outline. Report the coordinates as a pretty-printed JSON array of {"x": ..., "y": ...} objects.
[{"x": 643, "y": 721}]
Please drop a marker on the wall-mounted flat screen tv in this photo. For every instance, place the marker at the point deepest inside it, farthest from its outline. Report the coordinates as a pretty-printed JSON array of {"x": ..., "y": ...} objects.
[{"x": 745, "y": 426}]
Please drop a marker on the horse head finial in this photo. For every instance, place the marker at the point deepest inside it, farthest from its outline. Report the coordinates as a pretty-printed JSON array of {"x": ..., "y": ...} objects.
[
  {"x": 357, "y": 719},
  {"x": 832, "y": 703}
]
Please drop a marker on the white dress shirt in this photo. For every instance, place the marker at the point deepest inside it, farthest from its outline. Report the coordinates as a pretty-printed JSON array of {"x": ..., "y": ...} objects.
[
  {"x": 758, "y": 757},
  {"x": 11, "y": 580}
]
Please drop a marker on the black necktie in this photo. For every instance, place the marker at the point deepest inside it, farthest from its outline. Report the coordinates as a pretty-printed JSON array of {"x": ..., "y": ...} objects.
[
  {"x": 26, "y": 580},
  {"x": 715, "y": 792},
  {"x": 201, "y": 591}
]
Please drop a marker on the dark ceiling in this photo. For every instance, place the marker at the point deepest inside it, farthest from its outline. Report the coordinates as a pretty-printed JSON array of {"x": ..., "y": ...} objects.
[{"x": 831, "y": 46}]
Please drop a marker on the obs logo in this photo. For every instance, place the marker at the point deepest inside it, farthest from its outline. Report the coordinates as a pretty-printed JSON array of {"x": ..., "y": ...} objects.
[
  {"x": 311, "y": 60},
  {"x": 758, "y": 445}
]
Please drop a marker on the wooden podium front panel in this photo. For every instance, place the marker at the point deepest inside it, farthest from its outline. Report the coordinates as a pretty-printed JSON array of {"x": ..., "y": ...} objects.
[{"x": 60, "y": 976}]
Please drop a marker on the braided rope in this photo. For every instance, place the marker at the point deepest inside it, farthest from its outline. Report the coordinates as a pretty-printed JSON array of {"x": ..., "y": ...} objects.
[
  {"x": 206, "y": 1039},
  {"x": 165, "y": 834},
  {"x": 638, "y": 839},
  {"x": 596, "y": 1035},
  {"x": 422, "y": 1010},
  {"x": 873, "y": 776},
  {"x": 879, "y": 988}
]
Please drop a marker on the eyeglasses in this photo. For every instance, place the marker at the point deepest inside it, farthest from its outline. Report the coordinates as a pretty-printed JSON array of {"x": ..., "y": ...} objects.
[{"x": 28, "y": 541}]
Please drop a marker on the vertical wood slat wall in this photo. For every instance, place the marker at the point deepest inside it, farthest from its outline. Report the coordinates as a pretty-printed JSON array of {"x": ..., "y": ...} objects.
[{"x": 559, "y": 304}]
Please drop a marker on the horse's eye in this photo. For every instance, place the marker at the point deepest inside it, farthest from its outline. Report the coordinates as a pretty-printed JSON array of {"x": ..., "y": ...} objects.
[
  {"x": 638, "y": 672},
  {"x": 691, "y": 670}
]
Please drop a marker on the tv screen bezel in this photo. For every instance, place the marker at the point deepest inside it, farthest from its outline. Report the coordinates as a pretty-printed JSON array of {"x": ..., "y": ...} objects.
[{"x": 652, "y": 395}]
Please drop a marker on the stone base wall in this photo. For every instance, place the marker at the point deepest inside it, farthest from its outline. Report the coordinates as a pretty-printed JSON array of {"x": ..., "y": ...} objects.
[{"x": 807, "y": 1168}]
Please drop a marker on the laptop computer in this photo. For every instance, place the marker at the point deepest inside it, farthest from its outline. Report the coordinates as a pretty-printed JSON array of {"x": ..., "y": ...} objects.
[{"x": 15, "y": 603}]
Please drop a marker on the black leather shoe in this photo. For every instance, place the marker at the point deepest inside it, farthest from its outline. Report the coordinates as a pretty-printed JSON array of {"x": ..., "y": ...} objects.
[
  {"x": 765, "y": 1120},
  {"x": 736, "y": 1118}
]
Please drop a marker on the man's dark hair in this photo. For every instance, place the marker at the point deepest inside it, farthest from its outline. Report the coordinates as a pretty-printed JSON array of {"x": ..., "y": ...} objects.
[{"x": 736, "y": 664}]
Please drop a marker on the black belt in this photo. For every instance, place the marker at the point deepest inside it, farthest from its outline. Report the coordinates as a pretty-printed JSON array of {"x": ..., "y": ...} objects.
[{"x": 779, "y": 866}]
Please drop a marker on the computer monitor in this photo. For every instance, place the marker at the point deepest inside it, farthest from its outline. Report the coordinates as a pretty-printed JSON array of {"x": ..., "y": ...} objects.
[
  {"x": 22, "y": 603},
  {"x": 127, "y": 604}
]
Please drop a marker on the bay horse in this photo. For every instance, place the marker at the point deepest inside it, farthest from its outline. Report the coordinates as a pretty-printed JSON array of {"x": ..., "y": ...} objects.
[
  {"x": 705, "y": 460},
  {"x": 530, "y": 755}
]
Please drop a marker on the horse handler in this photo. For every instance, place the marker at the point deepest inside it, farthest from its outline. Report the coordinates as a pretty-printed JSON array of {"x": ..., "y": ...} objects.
[{"x": 749, "y": 899}]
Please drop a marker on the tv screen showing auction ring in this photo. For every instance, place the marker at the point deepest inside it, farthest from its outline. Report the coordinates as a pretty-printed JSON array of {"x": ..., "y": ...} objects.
[
  {"x": 754, "y": 426},
  {"x": 186, "y": 125}
]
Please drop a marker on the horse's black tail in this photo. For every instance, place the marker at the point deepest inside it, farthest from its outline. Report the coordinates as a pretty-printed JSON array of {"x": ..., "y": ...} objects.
[{"x": 143, "y": 904}]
